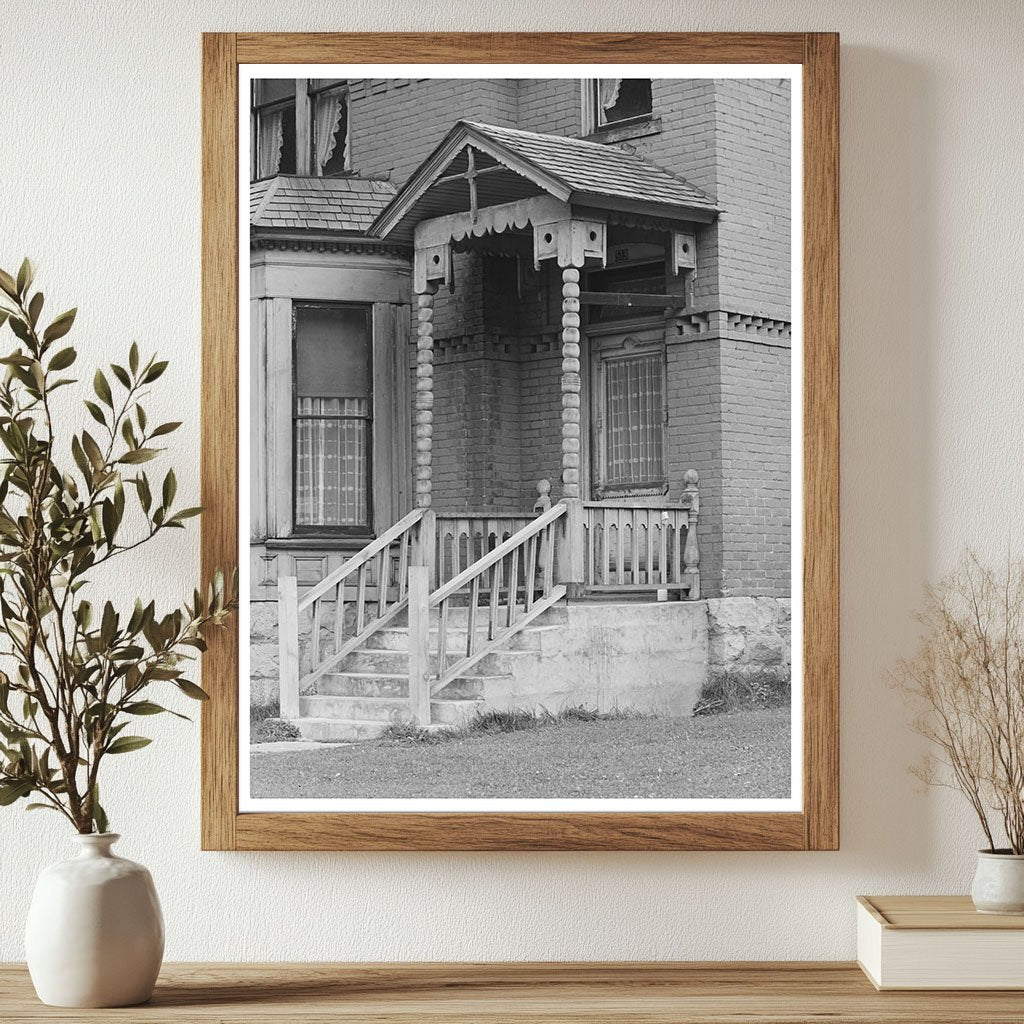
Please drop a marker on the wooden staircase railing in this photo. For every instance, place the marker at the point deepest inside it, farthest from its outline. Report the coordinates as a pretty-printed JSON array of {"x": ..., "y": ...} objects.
[
  {"x": 522, "y": 564},
  {"x": 379, "y": 577}
]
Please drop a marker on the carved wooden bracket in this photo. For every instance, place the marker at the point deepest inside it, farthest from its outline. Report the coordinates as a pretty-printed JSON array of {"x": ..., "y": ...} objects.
[
  {"x": 684, "y": 251},
  {"x": 570, "y": 242},
  {"x": 432, "y": 263}
]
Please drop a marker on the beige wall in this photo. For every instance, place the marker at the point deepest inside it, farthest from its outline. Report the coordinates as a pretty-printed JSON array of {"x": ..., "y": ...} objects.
[{"x": 932, "y": 377}]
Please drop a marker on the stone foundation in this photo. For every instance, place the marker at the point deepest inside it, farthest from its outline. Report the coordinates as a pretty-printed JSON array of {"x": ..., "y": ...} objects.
[{"x": 749, "y": 647}]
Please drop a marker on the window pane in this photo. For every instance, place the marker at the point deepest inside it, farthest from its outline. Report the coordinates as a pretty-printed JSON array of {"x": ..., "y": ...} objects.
[
  {"x": 333, "y": 409},
  {"x": 332, "y": 358},
  {"x": 633, "y": 399},
  {"x": 619, "y": 99},
  {"x": 266, "y": 90}
]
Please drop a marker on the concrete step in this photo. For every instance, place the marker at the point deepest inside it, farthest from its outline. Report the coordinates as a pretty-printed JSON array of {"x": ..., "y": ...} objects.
[
  {"x": 384, "y": 710},
  {"x": 337, "y": 730},
  {"x": 397, "y": 639},
  {"x": 390, "y": 662},
  {"x": 369, "y": 684},
  {"x": 458, "y": 614}
]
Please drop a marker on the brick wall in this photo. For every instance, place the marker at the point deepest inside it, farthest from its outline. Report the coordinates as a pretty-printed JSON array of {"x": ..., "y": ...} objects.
[
  {"x": 395, "y": 123},
  {"x": 756, "y": 446}
]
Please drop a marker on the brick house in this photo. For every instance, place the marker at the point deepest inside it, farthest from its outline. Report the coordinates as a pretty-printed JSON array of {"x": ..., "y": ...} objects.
[{"x": 483, "y": 305}]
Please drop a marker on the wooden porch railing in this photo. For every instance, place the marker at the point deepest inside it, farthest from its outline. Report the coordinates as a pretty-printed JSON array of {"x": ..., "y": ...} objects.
[
  {"x": 519, "y": 578},
  {"x": 638, "y": 546},
  {"x": 465, "y": 538},
  {"x": 373, "y": 585}
]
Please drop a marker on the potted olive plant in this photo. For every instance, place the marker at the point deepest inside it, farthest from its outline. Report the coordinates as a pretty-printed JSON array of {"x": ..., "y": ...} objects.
[
  {"x": 967, "y": 682},
  {"x": 80, "y": 671}
]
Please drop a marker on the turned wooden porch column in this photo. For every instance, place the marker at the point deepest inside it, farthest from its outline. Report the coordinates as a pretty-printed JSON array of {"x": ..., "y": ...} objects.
[
  {"x": 571, "y": 382},
  {"x": 425, "y": 394}
]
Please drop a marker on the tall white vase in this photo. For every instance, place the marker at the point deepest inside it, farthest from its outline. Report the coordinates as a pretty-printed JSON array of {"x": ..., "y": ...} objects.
[{"x": 95, "y": 934}]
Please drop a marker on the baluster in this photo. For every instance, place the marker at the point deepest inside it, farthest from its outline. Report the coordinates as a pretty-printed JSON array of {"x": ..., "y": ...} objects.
[
  {"x": 314, "y": 647},
  {"x": 442, "y": 638},
  {"x": 620, "y": 562},
  {"x": 677, "y": 549},
  {"x": 634, "y": 545},
  {"x": 513, "y": 585},
  {"x": 606, "y": 547},
  {"x": 339, "y": 616},
  {"x": 530, "y": 572},
  {"x": 549, "y": 569},
  {"x": 651, "y": 572},
  {"x": 383, "y": 571},
  {"x": 474, "y": 597},
  {"x": 590, "y": 540},
  {"x": 492, "y": 610},
  {"x": 361, "y": 599},
  {"x": 663, "y": 556},
  {"x": 403, "y": 565}
]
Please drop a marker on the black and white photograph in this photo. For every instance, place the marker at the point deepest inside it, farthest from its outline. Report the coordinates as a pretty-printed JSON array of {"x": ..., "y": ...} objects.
[{"x": 518, "y": 441}]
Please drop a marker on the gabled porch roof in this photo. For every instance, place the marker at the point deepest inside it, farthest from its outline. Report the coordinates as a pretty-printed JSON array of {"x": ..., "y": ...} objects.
[{"x": 496, "y": 165}]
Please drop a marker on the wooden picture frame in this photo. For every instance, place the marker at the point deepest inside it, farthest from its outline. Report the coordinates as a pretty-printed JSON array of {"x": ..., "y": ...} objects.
[{"x": 816, "y": 826}]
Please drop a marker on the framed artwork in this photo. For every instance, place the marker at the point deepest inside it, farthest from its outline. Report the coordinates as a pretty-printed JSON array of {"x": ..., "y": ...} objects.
[{"x": 520, "y": 419}]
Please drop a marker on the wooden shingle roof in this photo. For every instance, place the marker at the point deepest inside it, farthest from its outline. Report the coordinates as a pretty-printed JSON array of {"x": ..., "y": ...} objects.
[
  {"x": 293, "y": 202},
  {"x": 516, "y": 164},
  {"x": 598, "y": 169}
]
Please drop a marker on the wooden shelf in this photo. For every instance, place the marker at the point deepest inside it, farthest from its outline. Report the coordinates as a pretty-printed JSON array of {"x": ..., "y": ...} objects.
[{"x": 793, "y": 993}]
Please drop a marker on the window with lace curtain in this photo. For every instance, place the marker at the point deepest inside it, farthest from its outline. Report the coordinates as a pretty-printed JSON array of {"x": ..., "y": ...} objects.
[
  {"x": 273, "y": 115},
  {"x": 608, "y": 102},
  {"x": 333, "y": 418},
  {"x": 328, "y": 102}
]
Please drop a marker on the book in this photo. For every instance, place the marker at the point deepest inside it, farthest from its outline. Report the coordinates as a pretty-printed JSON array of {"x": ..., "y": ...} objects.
[{"x": 938, "y": 942}]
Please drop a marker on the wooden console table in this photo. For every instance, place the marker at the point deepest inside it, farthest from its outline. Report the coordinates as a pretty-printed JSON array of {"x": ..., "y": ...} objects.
[{"x": 783, "y": 993}]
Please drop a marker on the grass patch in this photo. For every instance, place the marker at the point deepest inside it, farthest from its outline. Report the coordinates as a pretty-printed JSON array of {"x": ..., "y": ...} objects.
[
  {"x": 730, "y": 755},
  {"x": 267, "y": 726},
  {"x": 496, "y": 721},
  {"x": 731, "y": 691}
]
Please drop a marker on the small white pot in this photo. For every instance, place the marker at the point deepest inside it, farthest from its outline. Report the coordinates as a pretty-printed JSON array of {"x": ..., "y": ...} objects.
[
  {"x": 999, "y": 883},
  {"x": 95, "y": 934}
]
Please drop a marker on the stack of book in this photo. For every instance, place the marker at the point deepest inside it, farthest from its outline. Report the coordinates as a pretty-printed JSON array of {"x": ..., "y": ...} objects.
[{"x": 938, "y": 942}]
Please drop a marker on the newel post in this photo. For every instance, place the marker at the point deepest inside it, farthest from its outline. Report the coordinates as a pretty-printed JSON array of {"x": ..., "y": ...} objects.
[
  {"x": 288, "y": 645},
  {"x": 691, "y": 549},
  {"x": 419, "y": 644}
]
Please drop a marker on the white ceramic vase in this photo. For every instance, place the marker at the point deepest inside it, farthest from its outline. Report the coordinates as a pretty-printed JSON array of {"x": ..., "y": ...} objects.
[
  {"x": 95, "y": 934},
  {"x": 999, "y": 883}
]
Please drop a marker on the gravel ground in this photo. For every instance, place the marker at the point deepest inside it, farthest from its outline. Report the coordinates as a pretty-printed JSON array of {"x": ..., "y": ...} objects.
[{"x": 743, "y": 754}]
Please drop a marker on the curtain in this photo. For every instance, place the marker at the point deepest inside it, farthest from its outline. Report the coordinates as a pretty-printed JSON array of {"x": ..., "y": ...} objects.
[
  {"x": 326, "y": 119},
  {"x": 608, "y": 92},
  {"x": 634, "y": 410},
  {"x": 271, "y": 138},
  {"x": 332, "y": 456}
]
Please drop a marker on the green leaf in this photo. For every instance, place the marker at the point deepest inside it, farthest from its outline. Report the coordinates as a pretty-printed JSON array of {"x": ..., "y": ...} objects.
[
  {"x": 102, "y": 388},
  {"x": 133, "y": 358},
  {"x": 121, "y": 374},
  {"x": 7, "y": 283},
  {"x": 11, "y": 791},
  {"x": 41, "y": 807},
  {"x": 126, "y": 744},
  {"x": 170, "y": 488},
  {"x": 63, "y": 359},
  {"x": 186, "y": 513},
  {"x": 191, "y": 690},
  {"x": 35, "y": 308},
  {"x": 95, "y": 412},
  {"x": 154, "y": 372},
  {"x": 145, "y": 497},
  {"x": 166, "y": 428},
  {"x": 92, "y": 449},
  {"x": 138, "y": 455},
  {"x": 128, "y": 433},
  {"x": 99, "y": 816},
  {"x": 60, "y": 326},
  {"x": 20, "y": 329},
  {"x": 26, "y": 274}
]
